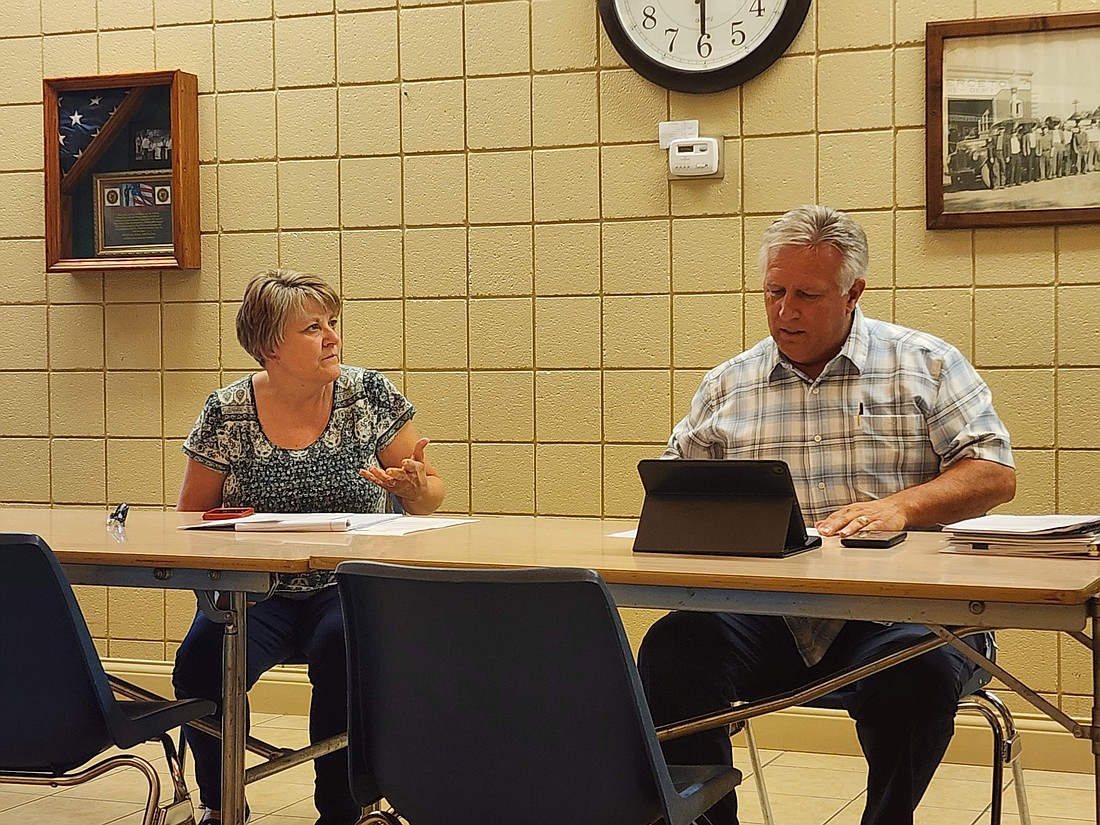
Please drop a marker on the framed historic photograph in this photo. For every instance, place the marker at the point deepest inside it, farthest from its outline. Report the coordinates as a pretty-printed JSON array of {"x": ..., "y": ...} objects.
[
  {"x": 133, "y": 213},
  {"x": 1013, "y": 111},
  {"x": 121, "y": 171}
]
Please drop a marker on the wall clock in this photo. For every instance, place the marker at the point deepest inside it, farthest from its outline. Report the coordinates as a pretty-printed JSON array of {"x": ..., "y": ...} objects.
[{"x": 701, "y": 46}]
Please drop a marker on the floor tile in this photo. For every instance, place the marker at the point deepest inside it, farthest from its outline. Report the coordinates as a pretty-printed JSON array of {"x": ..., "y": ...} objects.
[
  {"x": 122, "y": 785},
  {"x": 957, "y": 794},
  {"x": 11, "y": 800},
  {"x": 275, "y": 793},
  {"x": 1071, "y": 804},
  {"x": 853, "y": 812},
  {"x": 52, "y": 810},
  {"x": 1052, "y": 779},
  {"x": 815, "y": 761},
  {"x": 285, "y": 722},
  {"x": 818, "y": 782},
  {"x": 789, "y": 809},
  {"x": 805, "y": 789}
]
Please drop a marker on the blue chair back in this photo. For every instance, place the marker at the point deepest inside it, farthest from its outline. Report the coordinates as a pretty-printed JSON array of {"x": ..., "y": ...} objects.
[
  {"x": 496, "y": 696},
  {"x": 53, "y": 692}
]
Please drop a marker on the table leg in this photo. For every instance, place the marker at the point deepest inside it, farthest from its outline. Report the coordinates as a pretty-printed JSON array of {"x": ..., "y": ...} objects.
[
  {"x": 234, "y": 710},
  {"x": 1094, "y": 731}
]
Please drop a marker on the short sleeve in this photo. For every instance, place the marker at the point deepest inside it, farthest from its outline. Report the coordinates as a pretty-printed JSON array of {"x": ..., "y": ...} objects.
[
  {"x": 389, "y": 409},
  {"x": 206, "y": 442},
  {"x": 964, "y": 423}
]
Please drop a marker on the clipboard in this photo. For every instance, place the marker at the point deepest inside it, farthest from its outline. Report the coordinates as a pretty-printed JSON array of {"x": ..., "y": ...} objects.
[{"x": 720, "y": 507}]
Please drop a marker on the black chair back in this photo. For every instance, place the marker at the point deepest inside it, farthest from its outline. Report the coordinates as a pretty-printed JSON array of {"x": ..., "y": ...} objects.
[
  {"x": 53, "y": 692},
  {"x": 496, "y": 696}
]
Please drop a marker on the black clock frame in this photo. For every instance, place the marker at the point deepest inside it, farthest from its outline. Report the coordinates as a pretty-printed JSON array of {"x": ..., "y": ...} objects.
[{"x": 714, "y": 80}]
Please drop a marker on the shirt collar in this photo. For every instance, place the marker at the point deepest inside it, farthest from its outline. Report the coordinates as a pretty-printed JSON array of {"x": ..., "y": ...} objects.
[{"x": 855, "y": 350}]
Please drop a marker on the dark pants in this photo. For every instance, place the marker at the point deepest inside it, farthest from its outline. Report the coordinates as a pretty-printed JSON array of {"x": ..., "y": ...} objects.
[
  {"x": 278, "y": 629},
  {"x": 695, "y": 663}
]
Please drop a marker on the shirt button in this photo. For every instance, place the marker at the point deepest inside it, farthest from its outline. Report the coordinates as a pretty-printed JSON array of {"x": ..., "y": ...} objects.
[
  {"x": 821, "y": 485},
  {"x": 817, "y": 438},
  {"x": 815, "y": 390}
]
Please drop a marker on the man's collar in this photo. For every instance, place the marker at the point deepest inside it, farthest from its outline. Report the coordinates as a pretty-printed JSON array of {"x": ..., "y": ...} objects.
[
  {"x": 858, "y": 345},
  {"x": 855, "y": 349}
]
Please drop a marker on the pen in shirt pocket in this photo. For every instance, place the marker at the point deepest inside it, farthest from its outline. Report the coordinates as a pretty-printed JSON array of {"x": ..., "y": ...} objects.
[{"x": 859, "y": 415}]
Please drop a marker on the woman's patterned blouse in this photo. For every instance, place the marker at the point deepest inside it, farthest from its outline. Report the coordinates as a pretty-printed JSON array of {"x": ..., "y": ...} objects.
[{"x": 367, "y": 412}]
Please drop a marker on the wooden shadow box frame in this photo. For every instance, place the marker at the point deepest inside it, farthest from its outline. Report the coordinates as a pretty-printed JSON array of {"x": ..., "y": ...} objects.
[{"x": 62, "y": 190}]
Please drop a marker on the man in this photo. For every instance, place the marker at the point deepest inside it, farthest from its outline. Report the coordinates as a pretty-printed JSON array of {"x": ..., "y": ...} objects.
[
  {"x": 997, "y": 157},
  {"x": 1046, "y": 154},
  {"x": 1015, "y": 162},
  {"x": 1031, "y": 154},
  {"x": 883, "y": 428},
  {"x": 1061, "y": 152},
  {"x": 1093, "y": 133},
  {"x": 1080, "y": 145}
]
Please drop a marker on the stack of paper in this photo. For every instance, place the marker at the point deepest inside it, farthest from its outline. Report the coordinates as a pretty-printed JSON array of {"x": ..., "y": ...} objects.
[{"x": 1071, "y": 536}]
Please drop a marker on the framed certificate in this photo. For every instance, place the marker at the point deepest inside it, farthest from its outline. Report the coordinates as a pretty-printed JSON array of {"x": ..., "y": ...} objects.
[{"x": 133, "y": 213}]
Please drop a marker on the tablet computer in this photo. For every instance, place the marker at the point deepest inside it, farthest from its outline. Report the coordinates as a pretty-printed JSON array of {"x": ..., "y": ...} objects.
[{"x": 720, "y": 507}]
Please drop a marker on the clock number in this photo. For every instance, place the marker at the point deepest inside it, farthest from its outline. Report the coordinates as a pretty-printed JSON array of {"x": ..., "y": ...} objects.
[
  {"x": 738, "y": 34},
  {"x": 672, "y": 42},
  {"x": 758, "y": 7},
  {"x": 703, "y": 46},
  {"x": 649, "y": 17}
]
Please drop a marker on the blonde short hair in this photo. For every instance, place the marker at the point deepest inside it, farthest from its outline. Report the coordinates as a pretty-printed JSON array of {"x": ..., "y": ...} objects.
[{"x": 273, "y": 297}]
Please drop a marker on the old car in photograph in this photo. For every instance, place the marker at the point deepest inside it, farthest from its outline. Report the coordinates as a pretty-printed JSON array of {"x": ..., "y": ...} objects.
[{"x": 969, "y": 164}]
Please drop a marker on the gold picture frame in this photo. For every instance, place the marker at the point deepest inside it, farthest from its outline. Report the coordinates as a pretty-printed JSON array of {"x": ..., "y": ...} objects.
[{"x": 133, "y": 213}]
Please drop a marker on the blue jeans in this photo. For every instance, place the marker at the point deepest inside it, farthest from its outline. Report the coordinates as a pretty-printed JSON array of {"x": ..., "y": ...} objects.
[
  {"x": 278, "y": 629},
  {"x": 695, "y": 663}
]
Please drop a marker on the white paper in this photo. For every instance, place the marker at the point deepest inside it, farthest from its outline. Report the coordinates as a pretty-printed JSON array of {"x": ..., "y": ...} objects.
[
  {"x": 1023, "y": 525},
  {"x": 296, "y": 522},
  {"x": 409, "y": 524},
  {"x": 625, "y": 534},
  {"x": 670, "y": 130}
]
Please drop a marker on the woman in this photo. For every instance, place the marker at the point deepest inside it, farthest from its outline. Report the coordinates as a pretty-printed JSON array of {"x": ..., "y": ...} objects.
[{"x": 304, "y": 434}]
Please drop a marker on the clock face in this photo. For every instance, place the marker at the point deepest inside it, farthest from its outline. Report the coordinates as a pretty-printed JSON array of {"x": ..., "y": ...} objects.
[{"x": 702, "y": 45}]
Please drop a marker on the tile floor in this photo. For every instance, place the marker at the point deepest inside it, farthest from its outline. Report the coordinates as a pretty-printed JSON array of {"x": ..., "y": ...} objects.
[{"x": 805, "y": 789}]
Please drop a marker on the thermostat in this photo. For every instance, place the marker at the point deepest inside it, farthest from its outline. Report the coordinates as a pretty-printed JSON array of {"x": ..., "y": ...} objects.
[{"x": 694, "y": 157}]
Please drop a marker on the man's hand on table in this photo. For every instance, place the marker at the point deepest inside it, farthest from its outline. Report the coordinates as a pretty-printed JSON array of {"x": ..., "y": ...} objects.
[{"x": 883, "y": 514}]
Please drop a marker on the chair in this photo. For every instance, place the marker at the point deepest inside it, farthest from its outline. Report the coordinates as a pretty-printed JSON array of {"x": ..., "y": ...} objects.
[
  {"x": 975, "y": 699},
  {"x": 57, "y": 711},
  {"x": 503, "y": 696}
]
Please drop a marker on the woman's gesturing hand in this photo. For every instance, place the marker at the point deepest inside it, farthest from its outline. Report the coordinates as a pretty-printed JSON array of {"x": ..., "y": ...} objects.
[{"x": 409, "y": 481}]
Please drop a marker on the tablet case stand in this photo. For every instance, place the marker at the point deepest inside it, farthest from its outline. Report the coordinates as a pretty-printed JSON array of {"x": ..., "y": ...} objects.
[{"x": 720, "y": 507}]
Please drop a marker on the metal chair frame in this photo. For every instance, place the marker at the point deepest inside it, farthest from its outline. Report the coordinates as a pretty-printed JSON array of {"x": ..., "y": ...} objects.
[
  {"x": 61, "y": 712},
  {"x": 1006, "y": 751}
]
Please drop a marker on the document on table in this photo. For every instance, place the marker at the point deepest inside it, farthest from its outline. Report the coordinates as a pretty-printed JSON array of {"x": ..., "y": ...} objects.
[
  {"x": 625, "y": 534},
  {"x": 409, "y": 524},
  {"x": 296, "y": 522},
  {"x": 371, "y": 524}
]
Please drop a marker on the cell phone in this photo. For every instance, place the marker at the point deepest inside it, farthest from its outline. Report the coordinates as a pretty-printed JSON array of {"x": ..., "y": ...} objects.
[
  {"x": 874, "y": 538},
  {"x": 227, "y": 512}
]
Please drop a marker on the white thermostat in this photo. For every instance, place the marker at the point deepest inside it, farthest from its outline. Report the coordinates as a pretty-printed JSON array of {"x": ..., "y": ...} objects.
[{"x": 694, "y": 157}]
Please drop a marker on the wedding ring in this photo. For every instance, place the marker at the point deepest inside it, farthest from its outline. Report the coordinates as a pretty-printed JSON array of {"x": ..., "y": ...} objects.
[{"x": 863, "y": 519}]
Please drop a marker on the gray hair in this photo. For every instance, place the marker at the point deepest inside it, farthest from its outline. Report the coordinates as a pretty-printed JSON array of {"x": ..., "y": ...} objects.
[
  {"x": 271, "y": 299},
  {"x": 813, "y": 225}
]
